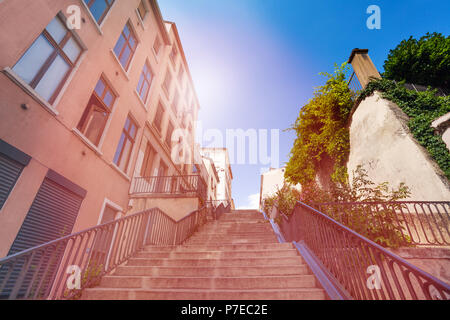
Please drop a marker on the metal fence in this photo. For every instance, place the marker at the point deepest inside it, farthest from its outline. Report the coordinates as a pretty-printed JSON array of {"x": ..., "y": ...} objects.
[
  {"x": 354, "y": 84},
  {"x": 364, "y": 269},
  {"x": 43, "y": 272},
  {"x": 415, "y": 222},
  {"x": 191, "y": 185}
]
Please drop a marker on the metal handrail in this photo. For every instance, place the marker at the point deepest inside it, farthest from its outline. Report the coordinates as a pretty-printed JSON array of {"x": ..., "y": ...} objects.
[
  {"x": 416, "y": 222},
  {"x": 43, "y": 272},
  {"x": 363, "y": 268},
  {"x": 190, "y": 185}
]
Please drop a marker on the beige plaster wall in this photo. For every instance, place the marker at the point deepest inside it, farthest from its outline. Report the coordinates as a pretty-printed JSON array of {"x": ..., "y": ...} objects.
[
  {"x": 176, "y": 208},
  {"x": 381, "y": 140}
]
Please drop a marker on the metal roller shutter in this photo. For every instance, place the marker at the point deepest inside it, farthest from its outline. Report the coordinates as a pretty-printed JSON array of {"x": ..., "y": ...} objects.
[
  {"x": 10, "y": 171},
  {"x": 52, "y": 215}
]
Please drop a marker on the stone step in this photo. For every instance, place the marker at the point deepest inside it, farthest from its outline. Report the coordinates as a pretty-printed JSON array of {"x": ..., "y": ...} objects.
[
  {"x": 237, "y": 219},
  {"x": 221, "y": 247},
  {"x": 269, "y": 282},
  {"x": 216, "y": 262},
  {"x": 220, "y": 237},
  {"x": 250, "y": 215},
  {"x": 202, "y": 294},
  {"x": 224, "y": 233},
  {"x": 218, "y": 254},
  {"x": 231, "y": 241},
  {"x": 299, "y": 269},
  {"x": 247, "y": 227}
]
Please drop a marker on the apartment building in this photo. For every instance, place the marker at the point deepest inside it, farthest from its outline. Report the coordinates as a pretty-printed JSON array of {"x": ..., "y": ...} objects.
[
  {"x": 221, "y": 162},
  {"x": 213, "y": 177},
  {"x": 86, "y": 112},
  {"x": 271, "y": 182}
]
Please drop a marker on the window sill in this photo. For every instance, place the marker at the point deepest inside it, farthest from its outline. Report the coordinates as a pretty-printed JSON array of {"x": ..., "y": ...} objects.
[
  {"x": 97, "y": 26},
  {"x": 123, "y": 174},
  {"x": 82, "y": 137},
  {"x": 142, "y": 103},
  {"x": 125, "y": 73},
  {"x": 29, "y": 90}
]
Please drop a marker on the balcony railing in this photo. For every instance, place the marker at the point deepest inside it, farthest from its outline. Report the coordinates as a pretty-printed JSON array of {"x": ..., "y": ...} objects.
[
  {"x": 45, "y": 271},
  {"x": 354, "y": 84},
  {"x": 361, "y": 268},
  {"x": 416, "y": 222},
  {"x": 187, "y": 185}
]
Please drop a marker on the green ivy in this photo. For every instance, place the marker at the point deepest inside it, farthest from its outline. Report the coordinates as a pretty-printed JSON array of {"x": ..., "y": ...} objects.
[{"x": 422, "y": 108}]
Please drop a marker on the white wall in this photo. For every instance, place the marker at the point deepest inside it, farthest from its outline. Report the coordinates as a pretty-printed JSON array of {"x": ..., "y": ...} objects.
[{"x": 381, "y": 140}]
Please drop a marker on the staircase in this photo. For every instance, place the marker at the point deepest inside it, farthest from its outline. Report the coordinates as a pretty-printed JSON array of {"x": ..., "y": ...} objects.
[{"x": 236, "y": 257}]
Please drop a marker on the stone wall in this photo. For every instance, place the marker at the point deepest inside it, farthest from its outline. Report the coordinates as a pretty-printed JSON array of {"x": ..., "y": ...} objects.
[{"x": 381, "y": 141}]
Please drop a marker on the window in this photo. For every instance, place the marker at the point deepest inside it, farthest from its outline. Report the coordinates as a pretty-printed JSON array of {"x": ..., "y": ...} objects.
[
  {"x": 46, "y": 65},
  {"x": 157, "y": 46},
  {"x": 125, "y": 46},
  {"x": 93, "y": 121},
  {"x": 142, "y": 10},
  {"x": 147, "y": 163},
  {"x": 158, "y": 117},
  {"x": 167, "y": 82},
  {"x": 169, "y": 134},
  {"x": 173, "y": 54},
  {"x": 175, "y": 101},
  {"x": 99, "y": 8},
  {"x": 126, "y": 143},
  {"x": 195, "y": 169},
  {"x": 144, "y": 83}
]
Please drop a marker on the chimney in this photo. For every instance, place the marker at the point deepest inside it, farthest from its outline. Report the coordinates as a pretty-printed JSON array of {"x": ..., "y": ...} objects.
[{"x": 363, "y": 66}]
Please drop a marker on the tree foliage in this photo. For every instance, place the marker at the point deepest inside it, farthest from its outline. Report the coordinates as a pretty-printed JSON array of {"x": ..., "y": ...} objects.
[
  {"x": 321, "y": 131},
  {"x": 380, "y": 225},
  {"x": 284, "y": 198},
  {"x": 425, "y": 61}
]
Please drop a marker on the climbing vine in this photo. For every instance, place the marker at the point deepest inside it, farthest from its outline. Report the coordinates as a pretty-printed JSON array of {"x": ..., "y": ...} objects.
[
  {"x": 422, "y": 108},
  {"x": 322, "y": 132}
]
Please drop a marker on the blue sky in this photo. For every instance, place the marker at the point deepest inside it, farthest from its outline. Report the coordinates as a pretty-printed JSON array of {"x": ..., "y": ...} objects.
[{"x": 255, "y": 63}]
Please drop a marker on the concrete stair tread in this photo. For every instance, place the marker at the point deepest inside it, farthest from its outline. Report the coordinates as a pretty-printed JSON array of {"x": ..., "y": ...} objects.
[
  {"x": 298, "y": 269},
  {"x": 210, "y": 290},
  {"x": 221, "y": 247},
  {"x": 205, "y": 294},
  {"x": 257, "y": 252}
]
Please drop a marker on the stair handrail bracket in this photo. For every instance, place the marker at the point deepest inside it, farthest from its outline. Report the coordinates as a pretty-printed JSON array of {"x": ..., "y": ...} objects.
[
  {"x": 365, "y": 269},
  {"x": 62, "y": 268}
]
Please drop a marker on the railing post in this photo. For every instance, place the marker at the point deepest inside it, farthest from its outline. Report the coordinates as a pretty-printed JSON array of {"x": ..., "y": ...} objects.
[{"x": 176, "y": 235}]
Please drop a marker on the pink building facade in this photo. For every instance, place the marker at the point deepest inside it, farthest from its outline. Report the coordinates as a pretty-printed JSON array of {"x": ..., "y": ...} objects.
[{"x": 84, "y": 111}]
